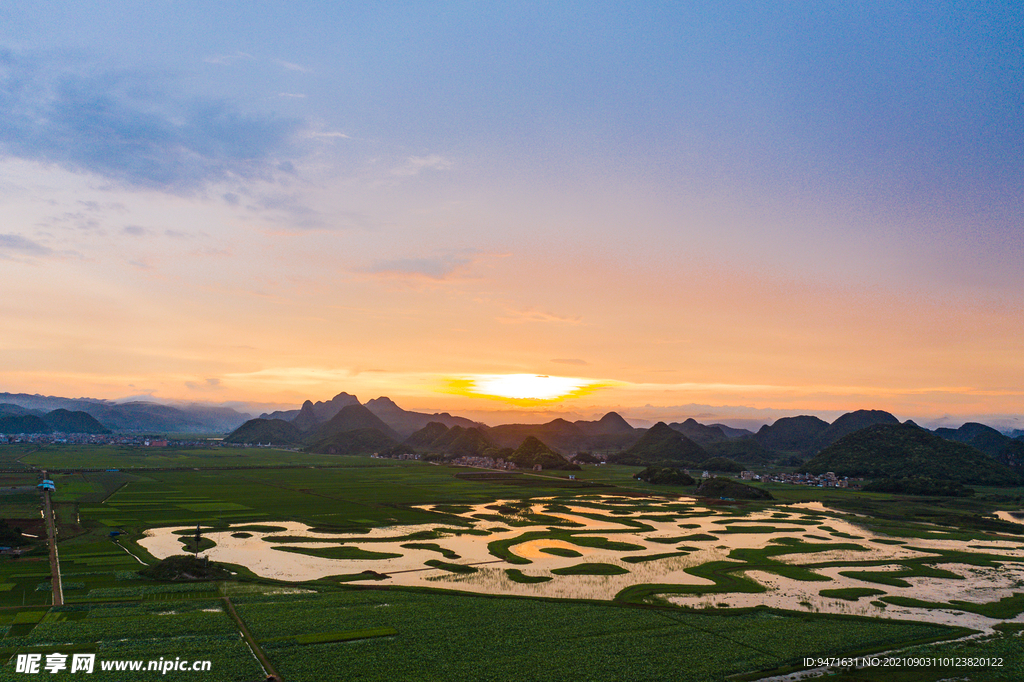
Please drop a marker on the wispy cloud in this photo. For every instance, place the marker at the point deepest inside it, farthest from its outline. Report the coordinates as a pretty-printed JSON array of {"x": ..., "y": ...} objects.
[
  {"x": 570, "y": 361},
  {"x": 15, "y": 244},
  {"x": 293, "y": 67},
  {"x": 228, "y": 59},
  {"x": 414, "y": 165},
  {"x": 512, "y": 316},
  {"x": 437, "y": 268},
  {"x": 122, "y": 126}
]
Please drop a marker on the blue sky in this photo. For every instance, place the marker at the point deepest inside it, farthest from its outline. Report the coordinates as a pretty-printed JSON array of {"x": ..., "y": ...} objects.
[{"x": 820, "y": 201}]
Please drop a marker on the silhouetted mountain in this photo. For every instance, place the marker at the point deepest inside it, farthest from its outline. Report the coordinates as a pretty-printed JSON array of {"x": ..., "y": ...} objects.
[
  {"x": 422, "y": 439},
  {"x": 66, "y": 421},
  {"x": 662, "y": 443},
  {"x": 28, "y": 423},
  {"x": 1012, "y": 455},
  {"x": 322, "y": 410},
  {"x": 742, "y": 450},
  {"x": 12, "y": 410},
  {"x": 610, "y": 424},
  {"x": 138, "y": 416},
  {"x": 564, "y": 436},
  {"x": 366, "y": 441},
  {"x": 847, "y": 424},
  {"x": 272, "y": 431},
  {"x": 306, "y": 419},
  {"x": 979, "y": 436},
  {"x": 903, "y": 450},
  {"x": 532, "y": 452},
  {"x": 470, "y": 443},
  {"x": 697, "y": 432},
  {"x": 350, "y": 418},
  {"x": 732, "y": 432},
  {"x": 405, "y": 422},
  {"x": 791, "y": 434}
]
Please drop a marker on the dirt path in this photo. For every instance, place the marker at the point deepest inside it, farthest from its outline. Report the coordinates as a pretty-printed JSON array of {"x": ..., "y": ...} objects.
[
  {"x": 51, "y": 536},
  {"x": 250, "y": 640}
]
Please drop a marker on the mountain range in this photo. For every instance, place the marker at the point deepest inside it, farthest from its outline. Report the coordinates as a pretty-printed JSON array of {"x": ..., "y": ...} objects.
[{"x": 131, "y": 417}]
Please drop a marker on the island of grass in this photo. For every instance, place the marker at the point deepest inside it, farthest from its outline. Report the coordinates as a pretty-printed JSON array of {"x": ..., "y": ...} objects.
[
  {"x": 517, "y": 576},
  {"x": 451, "y": 568},
  {"x": 433, "y": 547},
  {"x": 186, "y": 568},
  {"x": 561, "y": 551},
  {"x": 344, "y": 552},
  {"x": 850, "y": 593},
  {"x": 591, "y": 569}
]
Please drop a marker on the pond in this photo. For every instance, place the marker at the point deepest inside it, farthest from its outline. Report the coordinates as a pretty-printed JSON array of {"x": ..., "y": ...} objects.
[{"x": 593, "y": 548}]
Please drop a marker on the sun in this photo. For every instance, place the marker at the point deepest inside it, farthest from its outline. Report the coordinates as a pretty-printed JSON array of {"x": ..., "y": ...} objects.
[{"x": 526, "y": 388}]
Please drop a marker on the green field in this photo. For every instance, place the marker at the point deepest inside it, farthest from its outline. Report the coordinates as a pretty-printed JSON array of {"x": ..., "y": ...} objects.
[{"x": 363, "y": 630}]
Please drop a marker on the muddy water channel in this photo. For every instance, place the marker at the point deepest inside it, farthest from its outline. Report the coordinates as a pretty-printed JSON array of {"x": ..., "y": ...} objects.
[{"x": 790, "y": 557}]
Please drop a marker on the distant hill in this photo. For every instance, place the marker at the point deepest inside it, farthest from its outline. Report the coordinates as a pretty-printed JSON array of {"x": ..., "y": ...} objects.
[
  {"x": 350, "y": 418},
  {"x": 532, "y": 452},
  {"x": 609, "y": 432},
  {"x": 364, "y": 441},
  {"x": 726, "y": 487},
  {"x": 66, "y": 421},
  {"x": 273, "y": 431},
  {"x": 791, "y": 434},
  {"x": 732, "y": 432},
  {"x": 137, "y": 416},
  {"x": 903, "y": 450},
  {"x": 322, "y": 410},
  {"x": 405, "y": 422},
  {"x": 662, "y": 443},
  {"x": 979, "y": 436},
  {"x": 421, "y": 440},
  {"x": 306, "y": 419},
  {"x": 742, "y": 450},
  {"x": 1012, "y": 455},
  {"x": 471, "y": 442},
  {"x": 12, "y": 410},
  {"x": 699, "y": 433},
  {"x": 608, "y": 425},
  {"x": 28, "y": 423},
  {"x": 847, "y": 424}
]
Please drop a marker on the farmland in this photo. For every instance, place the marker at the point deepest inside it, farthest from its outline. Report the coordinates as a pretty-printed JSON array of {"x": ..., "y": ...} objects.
[{"x": 504, "y": 574}]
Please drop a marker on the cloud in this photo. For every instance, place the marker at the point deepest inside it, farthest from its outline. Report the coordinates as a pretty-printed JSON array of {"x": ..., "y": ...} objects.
[
  {"x": 415, "y": 164},
  {"x": 18, "y": 245},
  {"x": 520, "y": 316},
  {"x": 135, "y": 230},
  {"x": 570, "y": 361},
  {"x": 294, "y": 95},
  {"x": 438, "y": 268},
  {"x": 293, "y": 67},
  {"x": 229, "y": 59},
  {"x": 122, "y": 126}
]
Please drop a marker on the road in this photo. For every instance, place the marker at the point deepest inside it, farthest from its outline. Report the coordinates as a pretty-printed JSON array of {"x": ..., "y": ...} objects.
[{"x": 51, "y": 536}]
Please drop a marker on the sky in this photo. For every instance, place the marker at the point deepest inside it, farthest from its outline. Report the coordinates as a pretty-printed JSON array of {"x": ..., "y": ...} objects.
[{"x": 724, "y": 210}]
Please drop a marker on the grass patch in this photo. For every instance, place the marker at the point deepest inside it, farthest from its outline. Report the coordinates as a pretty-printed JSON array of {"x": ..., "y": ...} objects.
[
  {"x": 642, "y": 558},
  {"x": 451, "y": 568},
  {"x": 433, "y": 547},
  {"x": 561, "y": 551},
  {"x": 1005, "y": 608},
  {"x": 353, "y": 553},
  {"x": 850, "y": 593},
  {"x": 517, "y": 576},
  {"x": 591, "y": 569}
]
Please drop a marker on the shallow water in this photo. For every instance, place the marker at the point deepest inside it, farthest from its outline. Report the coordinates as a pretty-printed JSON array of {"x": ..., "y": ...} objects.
[{"x": 730, "y": 531}]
